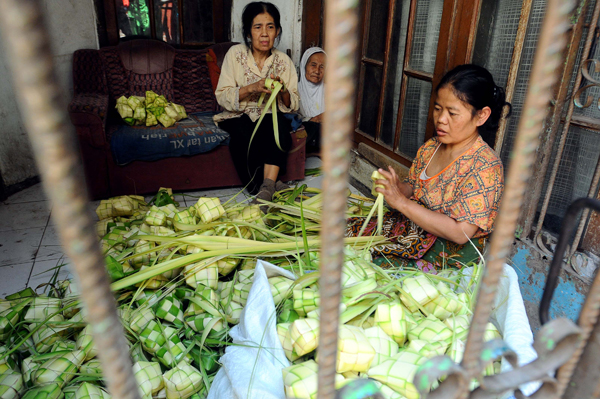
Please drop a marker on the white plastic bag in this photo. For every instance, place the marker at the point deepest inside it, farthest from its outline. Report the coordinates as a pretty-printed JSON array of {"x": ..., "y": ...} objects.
[
  {"x": 510, "y": 317},
  {"x": 251, "y": 368}
]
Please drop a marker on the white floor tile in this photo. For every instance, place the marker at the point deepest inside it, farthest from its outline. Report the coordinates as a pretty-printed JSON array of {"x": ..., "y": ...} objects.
[
  {"x": 19, "y": 246},
  {"x": 14, "y": 278},
  {"x": 24, "y": 215},
  {"x": 43, "y": 273},
  {"x": 50, "y": 248},
  {"x": 31, "y": 194}
]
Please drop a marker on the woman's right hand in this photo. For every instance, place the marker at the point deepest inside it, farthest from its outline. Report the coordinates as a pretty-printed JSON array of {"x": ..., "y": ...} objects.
[
  {"x": 396, "y": 192},
  {"x": 258, "y": 87}
]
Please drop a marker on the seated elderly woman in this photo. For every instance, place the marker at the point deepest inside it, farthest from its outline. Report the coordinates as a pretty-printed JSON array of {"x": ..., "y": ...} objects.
[
  {"x": 312, "y": 95},
  {"x": 444, "y": 211},
  {"x": 258, "y": 155}
]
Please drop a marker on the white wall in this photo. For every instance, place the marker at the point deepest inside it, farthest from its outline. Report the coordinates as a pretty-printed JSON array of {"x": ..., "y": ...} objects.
[
  {"x": 72, "y": 26},
  {"x": 291, "y": 22}
]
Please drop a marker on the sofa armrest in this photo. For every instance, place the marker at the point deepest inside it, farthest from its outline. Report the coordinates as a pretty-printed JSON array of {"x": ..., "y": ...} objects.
[{"x": 88, "y": 114}]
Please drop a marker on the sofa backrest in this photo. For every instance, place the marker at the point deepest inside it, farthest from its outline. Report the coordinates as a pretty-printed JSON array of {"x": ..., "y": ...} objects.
[{"x": 133, "y": 67}]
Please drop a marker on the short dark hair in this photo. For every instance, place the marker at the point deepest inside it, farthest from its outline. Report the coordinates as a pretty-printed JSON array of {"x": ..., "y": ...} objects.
[
  {"x": 251, "y": 11},
  {"x": 474, "y": 85}
]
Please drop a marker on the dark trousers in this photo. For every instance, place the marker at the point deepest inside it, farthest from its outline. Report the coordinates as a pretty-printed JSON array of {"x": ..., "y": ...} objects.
[
  {"x": 249, "y": 164},
  {"x": 313, "y": 137}
]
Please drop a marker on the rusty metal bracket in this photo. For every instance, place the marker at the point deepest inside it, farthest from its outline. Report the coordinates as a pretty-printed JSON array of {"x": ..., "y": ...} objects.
[{"x": 568, "y": 224}]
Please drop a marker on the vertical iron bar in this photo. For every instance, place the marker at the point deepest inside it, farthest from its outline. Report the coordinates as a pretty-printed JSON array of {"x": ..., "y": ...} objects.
[
  {"x": 44, "y": 110},
  {"x": 513, "y": 72},
  {"x": 341, "y": 22},
  {"x": 544, "y": 76},
  {"x": 567, "y": 124},
  {"x": 586, "y": 212}
]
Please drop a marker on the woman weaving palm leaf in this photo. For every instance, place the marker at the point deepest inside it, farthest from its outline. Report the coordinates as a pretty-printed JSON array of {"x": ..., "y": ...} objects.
[
  {"x": 445, "y": 209},
  {"x": 259, "y": 152}
]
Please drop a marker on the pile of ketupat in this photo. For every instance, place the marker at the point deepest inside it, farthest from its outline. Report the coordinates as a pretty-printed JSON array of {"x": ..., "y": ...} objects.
[
  {"x": 390, "y": 324},
  {"x": 182, "y": 277},
  {"x": 149, "y": 110}
]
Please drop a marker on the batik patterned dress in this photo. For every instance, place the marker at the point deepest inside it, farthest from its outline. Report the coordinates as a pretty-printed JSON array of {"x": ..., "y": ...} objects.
[{"x": 468, "y": 190}]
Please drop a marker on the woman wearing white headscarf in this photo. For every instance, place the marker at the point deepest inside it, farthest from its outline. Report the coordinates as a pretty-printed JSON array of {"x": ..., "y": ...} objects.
[{"x": 312, "y": 95}]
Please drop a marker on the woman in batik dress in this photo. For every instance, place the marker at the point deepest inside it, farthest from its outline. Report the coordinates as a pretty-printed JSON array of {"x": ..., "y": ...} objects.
[{"x": 443, "y": 213}]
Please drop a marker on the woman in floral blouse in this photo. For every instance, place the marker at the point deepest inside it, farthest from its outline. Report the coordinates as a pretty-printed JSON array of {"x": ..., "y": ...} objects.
[
  {"x": 445, "y": 210},
  {"x": 242, "y": 81}
]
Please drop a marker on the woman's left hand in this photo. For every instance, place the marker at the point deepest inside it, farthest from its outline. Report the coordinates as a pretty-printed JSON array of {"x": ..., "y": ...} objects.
[
  {"x": 285, "y": 94},
  {"x": 278, "y": 79},
  {"x": 391, "y": 188}
]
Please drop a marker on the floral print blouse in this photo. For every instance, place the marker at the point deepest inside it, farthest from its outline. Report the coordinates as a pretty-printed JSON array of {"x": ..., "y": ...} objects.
[
  {"x": 469, "y": 189},
  {"x": 239, "y": 69}
]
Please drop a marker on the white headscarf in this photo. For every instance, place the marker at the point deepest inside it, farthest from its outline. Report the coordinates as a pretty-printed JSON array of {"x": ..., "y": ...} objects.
[{"x": 312, "y": 96}]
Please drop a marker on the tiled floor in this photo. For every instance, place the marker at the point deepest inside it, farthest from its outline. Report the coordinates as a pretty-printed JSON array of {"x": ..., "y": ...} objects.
[{"x": 30, "y": 250}]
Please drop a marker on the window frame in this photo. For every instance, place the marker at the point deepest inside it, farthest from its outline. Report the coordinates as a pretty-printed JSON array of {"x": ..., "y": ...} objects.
[
  {"x": 108, "y": 28},
  {"x": 459, "y": 20}
]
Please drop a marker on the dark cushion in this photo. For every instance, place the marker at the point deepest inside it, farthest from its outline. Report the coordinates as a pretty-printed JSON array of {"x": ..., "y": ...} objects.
[
  {"x": 146, "y": 56},
  {"x": 160, "y": 83}
]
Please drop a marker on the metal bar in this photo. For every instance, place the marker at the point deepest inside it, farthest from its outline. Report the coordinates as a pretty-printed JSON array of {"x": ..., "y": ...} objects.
[
  {"x": 341, "y": 42},
  {"x": 53, "y": 141},
  {"x": 513, "y": 72},
  {"x": 565, "y": 130},
  {"x": 546, "y": 64},
  {"x": 556, "y": 266},
  {"x": 586, "y": 212},
  {"x": 585, "y": 122}
]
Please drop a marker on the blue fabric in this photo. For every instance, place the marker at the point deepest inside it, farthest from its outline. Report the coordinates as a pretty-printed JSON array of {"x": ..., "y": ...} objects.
[
  {"x": 194, "y": 135},
  {"x": 296, "y": 121}
]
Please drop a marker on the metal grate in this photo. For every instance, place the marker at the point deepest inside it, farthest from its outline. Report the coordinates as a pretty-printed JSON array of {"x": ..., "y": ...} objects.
[
  {"x": 503, "y": 38},
  {"x": 575, "y": 173},
  {"x": 580, "y": 155},
  {"x": 426, "y": 34},
  {"x": 529, "y": 47}
]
